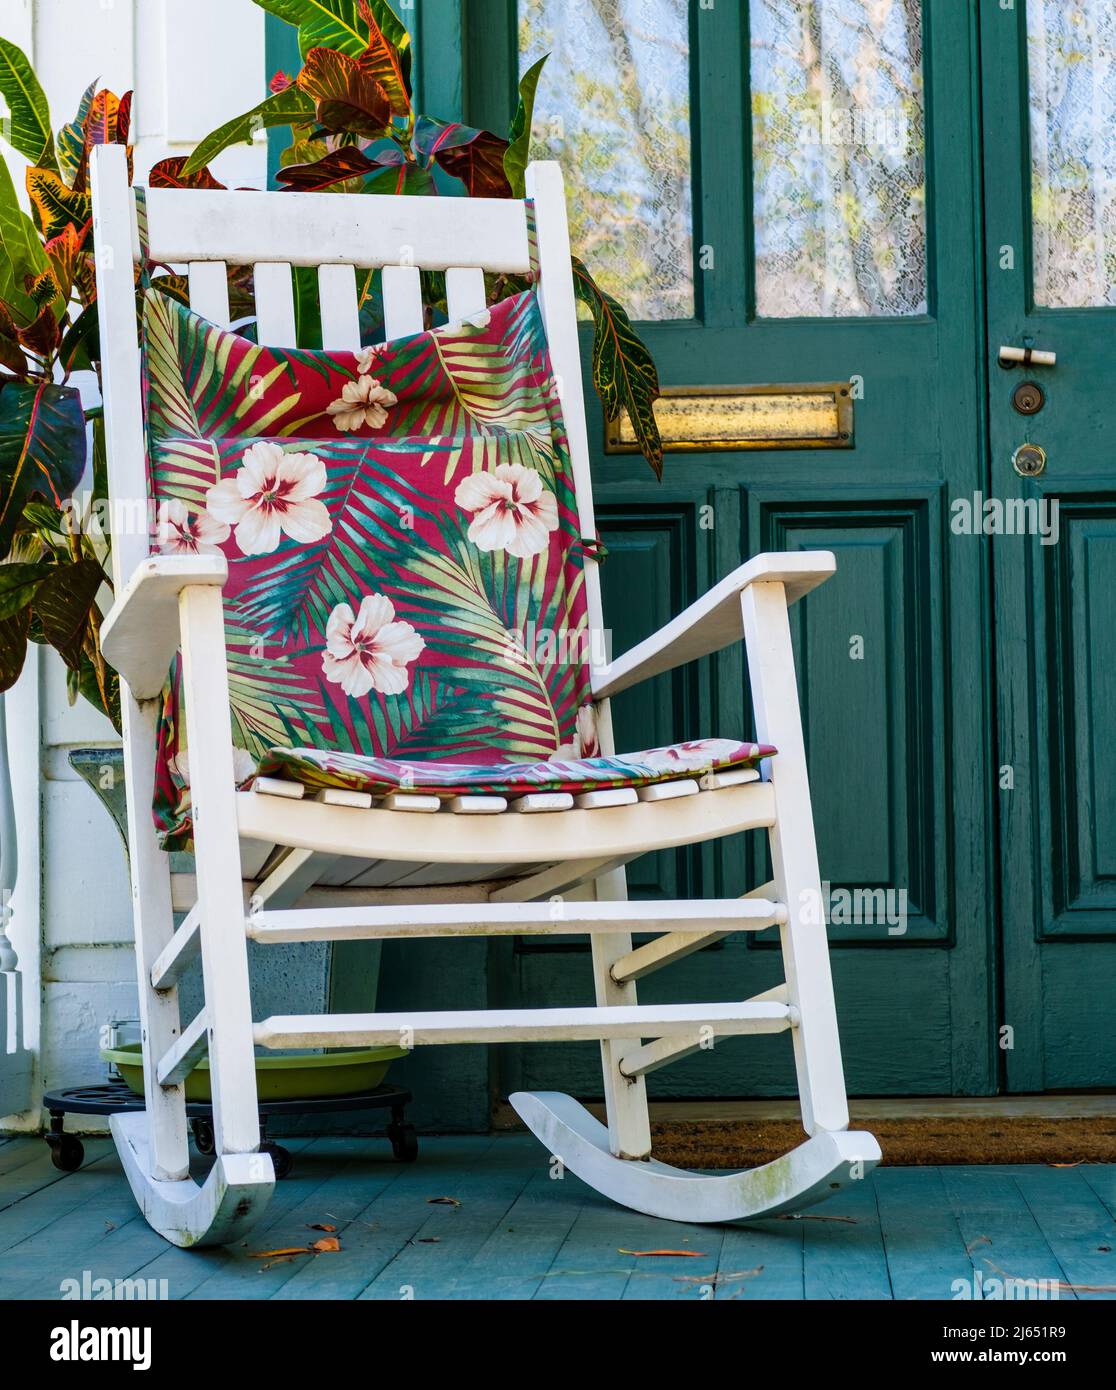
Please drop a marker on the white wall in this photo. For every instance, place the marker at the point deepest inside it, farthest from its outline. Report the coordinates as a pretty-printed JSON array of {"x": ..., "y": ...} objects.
[{"x": 193, "y": 64}]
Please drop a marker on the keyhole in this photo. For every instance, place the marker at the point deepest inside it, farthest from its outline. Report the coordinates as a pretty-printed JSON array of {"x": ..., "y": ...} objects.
[{"x": 1028, "y": 398}]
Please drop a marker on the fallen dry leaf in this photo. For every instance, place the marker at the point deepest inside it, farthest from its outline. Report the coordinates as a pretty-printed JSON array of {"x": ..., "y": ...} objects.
[
  {"x": 686, "y": 1254},
  {"x": 1078, "y": 1164},
  {"x": 719, "y": 1277},
  {"x": 443, "y": 1201},
  {"x": 320, "y": 1226},
  {"x": 327, "y": 1245},
  {"x": 271, "y": 1254},
  {"x": 809, "y": 1216}
]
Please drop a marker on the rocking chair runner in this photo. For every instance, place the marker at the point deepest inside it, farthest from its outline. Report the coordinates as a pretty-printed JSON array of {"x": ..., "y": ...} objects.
[{"x": 277, "y": 865}]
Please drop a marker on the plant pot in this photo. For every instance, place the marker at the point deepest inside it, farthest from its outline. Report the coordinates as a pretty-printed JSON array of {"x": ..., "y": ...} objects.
[{"x": 301, "y": 1076}]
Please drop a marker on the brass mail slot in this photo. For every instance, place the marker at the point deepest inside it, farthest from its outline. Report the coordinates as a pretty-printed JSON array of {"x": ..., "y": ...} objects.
[{"x": 698, "y": 418}]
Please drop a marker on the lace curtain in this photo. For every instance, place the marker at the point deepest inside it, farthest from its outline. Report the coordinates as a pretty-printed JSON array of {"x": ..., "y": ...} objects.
[
  {"x": 838, "y": 157},
  {"x": 1071, "y": 54},
  {"x": 613, "y": 106}
]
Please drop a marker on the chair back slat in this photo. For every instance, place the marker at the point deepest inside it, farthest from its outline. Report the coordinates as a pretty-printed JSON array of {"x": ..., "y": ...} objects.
[
  {"x": 242, "y": 228},
  {"x": 464, "y": 291},
  {"x": 337, "y": 296},
  {"x": 209, "y": 291},
  {"x": 402, "y": 290},
  {"x": 275, "y": 307}
]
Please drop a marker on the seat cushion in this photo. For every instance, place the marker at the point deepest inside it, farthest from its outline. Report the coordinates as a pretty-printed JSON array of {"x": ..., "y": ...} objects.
[{"x": 316, "y": 770}]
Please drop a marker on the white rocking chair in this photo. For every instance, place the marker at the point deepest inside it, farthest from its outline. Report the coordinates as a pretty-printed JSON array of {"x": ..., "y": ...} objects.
[{"x": 170, "y": 603}]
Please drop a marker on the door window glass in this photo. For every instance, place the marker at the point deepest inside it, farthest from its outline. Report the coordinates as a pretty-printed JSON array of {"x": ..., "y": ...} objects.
[
  {"x": 613, "y": 107},
  {"x": 1071, "y": 61},
  {"x": 838, "y": 155}
]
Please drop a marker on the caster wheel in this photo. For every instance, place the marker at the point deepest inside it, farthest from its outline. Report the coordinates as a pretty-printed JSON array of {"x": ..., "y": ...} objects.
[
  {"x": 404, "y": 1142},
  {"x": 67, "y": 1153},
  {"x": 203, "y": 1135},
  {"x": 280, "y": 1157}
]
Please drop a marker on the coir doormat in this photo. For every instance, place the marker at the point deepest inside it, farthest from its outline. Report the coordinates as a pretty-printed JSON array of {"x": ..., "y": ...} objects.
[{"x": 924, "y": 1140}]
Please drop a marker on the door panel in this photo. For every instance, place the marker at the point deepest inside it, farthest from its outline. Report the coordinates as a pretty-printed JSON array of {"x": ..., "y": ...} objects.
[
  {"x": 1049, "y": 175},
  {"x": 878, "y": 245},
  {"x": 873, "y": 707}
]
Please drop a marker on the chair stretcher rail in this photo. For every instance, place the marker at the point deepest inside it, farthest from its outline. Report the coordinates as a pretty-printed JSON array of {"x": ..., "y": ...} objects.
[
  {"x": 721, "y": 915},
  {"x": 518, "y": 1025}
]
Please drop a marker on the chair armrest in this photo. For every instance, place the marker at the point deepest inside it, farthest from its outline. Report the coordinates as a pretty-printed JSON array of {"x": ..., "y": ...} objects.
[
  {"x": 140, "y": 635},
  {"x": 714, "y": 621}
]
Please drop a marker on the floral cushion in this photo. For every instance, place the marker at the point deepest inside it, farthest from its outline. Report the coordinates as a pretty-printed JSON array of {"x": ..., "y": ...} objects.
[
  {"x": 405, "y": 573},
  {"x": 406, "y": 576},
  {"x": 316, "y": 769}
]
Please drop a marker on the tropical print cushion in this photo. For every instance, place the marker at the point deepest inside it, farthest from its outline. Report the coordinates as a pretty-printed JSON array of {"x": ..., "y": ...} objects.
[
  {"x": 317, "y": 770},
  {"x": 405, "y": 573}
]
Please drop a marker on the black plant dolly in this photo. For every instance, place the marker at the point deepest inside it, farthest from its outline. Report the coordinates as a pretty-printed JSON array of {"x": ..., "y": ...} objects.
[{"x": 110, "y": 1097}]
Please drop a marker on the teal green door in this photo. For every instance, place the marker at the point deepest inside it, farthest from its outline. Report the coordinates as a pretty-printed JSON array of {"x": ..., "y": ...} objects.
[
  {"x": 881, "y": 192},
  {"x": 786, "y": 192},
  {"x": 1051, "y": 271}
]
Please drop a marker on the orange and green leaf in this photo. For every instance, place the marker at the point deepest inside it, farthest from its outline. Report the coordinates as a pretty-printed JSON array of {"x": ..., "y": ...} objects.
[
  {"x": 57, "y": 207},
  {"x": 346, "y": 95}
]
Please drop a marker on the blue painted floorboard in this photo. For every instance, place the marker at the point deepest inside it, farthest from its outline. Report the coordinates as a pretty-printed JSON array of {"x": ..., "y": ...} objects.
[{"x": 514, "y": 1230}]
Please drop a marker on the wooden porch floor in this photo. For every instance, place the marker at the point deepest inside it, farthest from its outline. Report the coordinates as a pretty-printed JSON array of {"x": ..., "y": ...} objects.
[{"x": 511, "y": 1232}]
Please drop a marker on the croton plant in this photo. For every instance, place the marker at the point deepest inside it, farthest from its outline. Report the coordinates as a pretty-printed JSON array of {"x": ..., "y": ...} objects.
[{"x": 354, "y": 129}]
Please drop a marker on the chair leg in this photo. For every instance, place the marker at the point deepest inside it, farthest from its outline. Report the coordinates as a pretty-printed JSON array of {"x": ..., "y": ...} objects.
[
  {"x": 240, "y": 1183},
  {"x": 224, "y": 943},
  {"x": 817, "y": 1047},
  {"x": 629, "y": 1127},
  {"x": 160, "y": 1022}
]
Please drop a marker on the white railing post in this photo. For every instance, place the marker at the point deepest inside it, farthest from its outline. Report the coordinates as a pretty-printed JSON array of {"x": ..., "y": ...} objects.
[{"x": 15, "y": 1060}]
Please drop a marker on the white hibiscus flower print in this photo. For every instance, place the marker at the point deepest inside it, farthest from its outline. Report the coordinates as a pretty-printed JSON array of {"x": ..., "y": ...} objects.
[
  {"x": 179, "y": 533},
  {"x": 372, "y": 650},
  {"x": 272, "y": 494},
  {"x": 244, "y": 766},
  {"x": 585, "y": 741},
  {"x": 686, "y": 757},
  {"x": 362, "y": 402},
  {"x": 364, "y": 361},
  {"x": 511, "y": 509}
]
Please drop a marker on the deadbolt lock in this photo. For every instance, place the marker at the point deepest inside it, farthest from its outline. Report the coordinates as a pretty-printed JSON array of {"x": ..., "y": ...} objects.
[
  {"x": 1028, "y": 398},
  {"x": 1029, "y": 460}
]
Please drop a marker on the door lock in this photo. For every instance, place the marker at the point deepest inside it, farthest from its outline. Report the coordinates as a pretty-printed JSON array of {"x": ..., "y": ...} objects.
[
  {"x": 1028, "y": 398},
  {"x": 1029, "y": 460}
]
